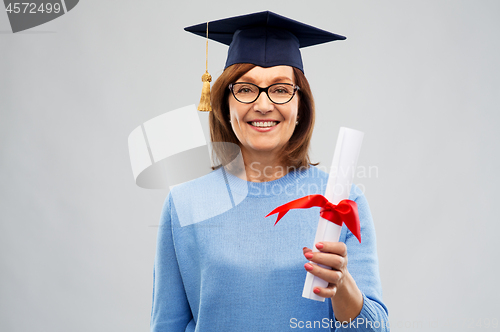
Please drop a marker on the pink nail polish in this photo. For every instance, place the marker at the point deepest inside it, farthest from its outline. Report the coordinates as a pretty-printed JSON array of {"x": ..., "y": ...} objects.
[
  {"x": 308, "y": 266},
  {"x": 319, "y": 245},
  {"x": 316, "y": 290},
  {"x": 308, "y": 255}
]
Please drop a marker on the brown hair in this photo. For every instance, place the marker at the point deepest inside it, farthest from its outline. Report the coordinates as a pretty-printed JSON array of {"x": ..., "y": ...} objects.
[{"x": 295, "y": 153}]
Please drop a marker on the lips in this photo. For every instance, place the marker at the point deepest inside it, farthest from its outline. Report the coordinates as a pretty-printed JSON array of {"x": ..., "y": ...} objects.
[{"x": 263, "y": 123}]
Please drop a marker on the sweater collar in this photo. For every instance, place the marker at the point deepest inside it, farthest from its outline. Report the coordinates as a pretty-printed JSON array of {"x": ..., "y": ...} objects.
[{"x": 283, "y": 185}]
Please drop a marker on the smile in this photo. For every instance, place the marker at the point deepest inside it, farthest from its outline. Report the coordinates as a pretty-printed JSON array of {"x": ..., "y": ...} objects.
[{"x": 263, "y": 124}]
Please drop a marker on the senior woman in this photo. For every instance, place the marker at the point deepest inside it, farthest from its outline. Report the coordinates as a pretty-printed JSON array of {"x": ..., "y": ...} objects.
[{"x": 233, "y": 270}]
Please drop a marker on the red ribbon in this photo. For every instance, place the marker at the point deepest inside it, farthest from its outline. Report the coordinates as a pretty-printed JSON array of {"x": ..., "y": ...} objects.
[{"x": 345, "y": 212}]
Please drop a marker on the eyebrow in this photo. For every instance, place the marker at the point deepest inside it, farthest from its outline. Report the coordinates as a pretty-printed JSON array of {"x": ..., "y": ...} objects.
[
  {"x": 278, "y": 79},
  {"x": 281, "y": 78}
]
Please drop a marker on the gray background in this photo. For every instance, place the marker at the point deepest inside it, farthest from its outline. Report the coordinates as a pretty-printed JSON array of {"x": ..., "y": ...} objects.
[{"x": 420, "y": 78}]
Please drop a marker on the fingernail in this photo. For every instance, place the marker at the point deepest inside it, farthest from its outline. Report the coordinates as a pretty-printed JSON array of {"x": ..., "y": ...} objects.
[
  {"x": 308, "y": 266},
  {"x": 319, "y": 245},
  {"x": 308, "y": 255},
  {"x": 316, "y": 290}
]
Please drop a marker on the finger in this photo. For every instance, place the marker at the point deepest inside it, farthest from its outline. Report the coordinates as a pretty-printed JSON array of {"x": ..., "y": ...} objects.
[
  {"x": 334, "y": 261},
  {"x": 306, "y": 249},
  {"x": 330, "y": 276},
  {"x": 338, "y": 248},
  {"x": 325, "y": 292}
]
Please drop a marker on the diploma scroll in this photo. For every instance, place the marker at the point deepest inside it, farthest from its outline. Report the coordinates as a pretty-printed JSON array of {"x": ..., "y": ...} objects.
[{"x": 339, "y": 184}]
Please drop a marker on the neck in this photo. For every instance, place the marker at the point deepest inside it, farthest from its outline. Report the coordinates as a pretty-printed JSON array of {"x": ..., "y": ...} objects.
[{"x": 262, "y": 167}]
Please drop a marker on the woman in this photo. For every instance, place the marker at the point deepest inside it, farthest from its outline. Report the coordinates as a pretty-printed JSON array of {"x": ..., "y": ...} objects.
[{"x": 223, "y": 266}]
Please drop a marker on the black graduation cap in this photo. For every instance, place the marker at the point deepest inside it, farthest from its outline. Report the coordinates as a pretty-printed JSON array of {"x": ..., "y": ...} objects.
[{"x": 265, "y": 39}]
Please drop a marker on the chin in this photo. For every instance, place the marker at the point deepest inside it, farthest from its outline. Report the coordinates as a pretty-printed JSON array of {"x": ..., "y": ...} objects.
[{"x": 264, "y": 148}]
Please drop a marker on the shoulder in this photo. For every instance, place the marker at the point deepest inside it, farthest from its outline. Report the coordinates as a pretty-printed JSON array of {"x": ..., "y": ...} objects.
[
  {"x": 314, "y": 174},
  {"x": 355, "y": 193},
  {"x": 182, "y": 194},
  {"x": 203, "y": 198},
  {"x": 318, "y": 172}
]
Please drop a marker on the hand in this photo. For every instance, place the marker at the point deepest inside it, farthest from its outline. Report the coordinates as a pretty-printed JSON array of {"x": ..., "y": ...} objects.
[
  {"x": 333, "y": 255},
  {"x": 347, "y": 299}
]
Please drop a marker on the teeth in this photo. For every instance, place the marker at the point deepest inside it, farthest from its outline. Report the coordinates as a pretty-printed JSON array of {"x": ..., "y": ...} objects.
[{"x": 264, "y": 124}]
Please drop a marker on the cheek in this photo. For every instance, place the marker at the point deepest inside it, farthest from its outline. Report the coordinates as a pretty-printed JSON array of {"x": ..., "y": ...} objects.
[
  {"x": 293, "y": 112},
  {"x": 236, "y": 118},
  {"x": 235, "y": 114}
]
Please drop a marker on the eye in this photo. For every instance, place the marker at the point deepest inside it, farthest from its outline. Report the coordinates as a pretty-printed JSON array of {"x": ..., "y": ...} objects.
[
  {"x": 244, "y": 89},
  {"x": 281, "y": 89}
]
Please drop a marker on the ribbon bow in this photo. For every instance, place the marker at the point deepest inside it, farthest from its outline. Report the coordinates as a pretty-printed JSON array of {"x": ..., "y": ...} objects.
[{"x": 345, "y": 212}]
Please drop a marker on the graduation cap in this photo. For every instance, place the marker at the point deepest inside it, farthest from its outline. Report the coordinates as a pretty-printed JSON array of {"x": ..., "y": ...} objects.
[{"x": 264, "y": 39}]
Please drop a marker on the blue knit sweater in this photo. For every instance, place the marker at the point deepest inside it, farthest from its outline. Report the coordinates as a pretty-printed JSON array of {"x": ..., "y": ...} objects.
[{"x": 222, "y": 266}]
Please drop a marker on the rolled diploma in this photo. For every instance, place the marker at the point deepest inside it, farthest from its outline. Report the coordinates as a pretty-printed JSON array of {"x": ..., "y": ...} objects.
[{"x": 338, "y": 188}]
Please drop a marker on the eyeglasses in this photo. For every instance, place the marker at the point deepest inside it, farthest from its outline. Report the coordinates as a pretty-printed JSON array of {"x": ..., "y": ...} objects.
[{"x": 278, "y": 93}]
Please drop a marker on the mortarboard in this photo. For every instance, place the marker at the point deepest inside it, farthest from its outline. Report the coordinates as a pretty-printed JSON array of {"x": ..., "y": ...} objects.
[{"x": 265, "y": 39}]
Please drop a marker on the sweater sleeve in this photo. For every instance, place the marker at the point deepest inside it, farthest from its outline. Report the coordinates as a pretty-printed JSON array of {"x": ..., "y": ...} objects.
[
  {"x": 170, "y": 310},
  {"x": 362, "y": 263}
]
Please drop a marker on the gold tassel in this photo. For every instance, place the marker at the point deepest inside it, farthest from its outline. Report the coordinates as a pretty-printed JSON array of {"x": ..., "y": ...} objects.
[
  {"x": 204, "y": 105},
  {"x": 206, "y": 78}
]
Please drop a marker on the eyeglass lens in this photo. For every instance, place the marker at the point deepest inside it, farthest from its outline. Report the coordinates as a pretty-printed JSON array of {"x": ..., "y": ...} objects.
[{"x": 278, "y": 93}]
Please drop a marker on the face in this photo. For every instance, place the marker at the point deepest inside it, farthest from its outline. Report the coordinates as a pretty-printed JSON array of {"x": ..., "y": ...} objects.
[{"x": 263, "y": 126}]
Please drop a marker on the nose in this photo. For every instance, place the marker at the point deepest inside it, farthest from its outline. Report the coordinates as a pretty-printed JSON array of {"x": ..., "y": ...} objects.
[{"x": 263, "y": 104}]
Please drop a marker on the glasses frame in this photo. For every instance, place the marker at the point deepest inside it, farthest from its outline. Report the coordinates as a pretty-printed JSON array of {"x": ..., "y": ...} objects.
[{"x": 266, "y": 90}]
